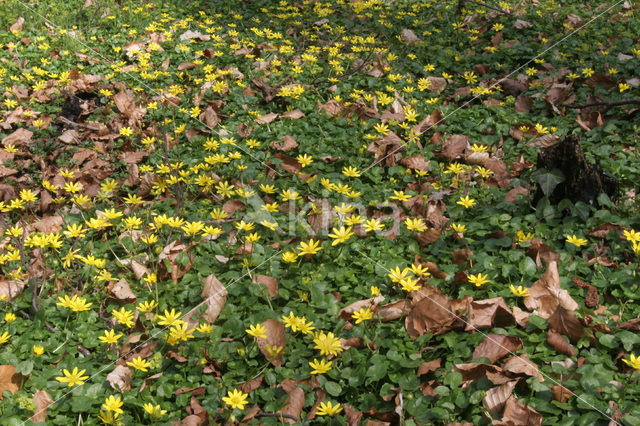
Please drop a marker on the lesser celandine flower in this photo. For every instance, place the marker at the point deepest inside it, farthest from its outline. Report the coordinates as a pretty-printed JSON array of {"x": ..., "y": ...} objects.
[
  {"x": 154, "y": 410},
  {"x": 478, "y": 279},
  {"x": 236, "y": 399},
  {"x": 320, "y": 367},
  {"x": 519, "y": 291},
  {"x": 72, "y": 378},
  {"x": 572, "y": 239},
  {"x": 139, "y": 364},
  {"x": 257, "y": 330},
  {"x": 633, "y": 361},
  {"x": 364, "y": 314},
  {"x": 328, "y": 409}
]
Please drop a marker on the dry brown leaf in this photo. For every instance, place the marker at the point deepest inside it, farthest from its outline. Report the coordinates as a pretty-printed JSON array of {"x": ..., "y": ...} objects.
[
  {"x": 522, "y": 365},
  {"x": 393, "y": 311},
  {"x": 210, "y": 117},
  {"x": 544, "y": 141},
  {"x": 48, "y": 224},
  {"x": 430, "y": 315},
  {"x": 497, "y": 397},
  {"x": 122, "y": 291},
  {"x": 633, "y": 325},
  {"x": 289, "y": 164},
  {"x": 9, "y": 379},
  {"x": 475, "y": 370},
  {"x": 545, "y": 295},
  {"x": 42, "y": 400},
  {"x": 346, "y": 312},
  {"x": 523, "y": 103},
  {"x": 353, "y": 416},
  {"x": 516, "y": 413},
  {"x": 293, "y": 115},
  {"x": 427, "y": 123},
  {"x": 331, "y": 108},
  {"x": 560, "y": 393},
  {"x": 19, "y": 137},
  {"x": 120, "y": 378},
  {"x": 269, "y": 282},
  {"x": 232, "y": 206},
  {"x": 495, "y": 346},
  {"x": 251, "y": 385},
  {"x": 275, "y": 338},
  {"x": 288, "y": 143},
  {"x": 139, "y": 270},
  {"x": 438, "y": 84},
  {"x": 215, "y": 294},
  {"x": 566, "y": 322},
  {"x": 267, "y": 118},
  {"x": 11, "y": 288},
  {"x": 559, "y": 344},
  {"x": 454, "y": 147},
  {"x": 17, "y": 26},
  {"x": 294, "y": 404},
  {"x": 428, "y": 367},
  {"x": 416, "y": 162},
  {"x": 489, "y": 313}
]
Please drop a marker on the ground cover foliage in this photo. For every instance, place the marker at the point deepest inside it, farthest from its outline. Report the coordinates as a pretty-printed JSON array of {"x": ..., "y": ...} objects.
[{"x": 316, "y": 212}]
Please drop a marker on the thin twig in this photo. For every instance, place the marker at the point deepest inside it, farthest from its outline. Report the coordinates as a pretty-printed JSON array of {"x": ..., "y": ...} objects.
[{"x": 68, "y": 122}]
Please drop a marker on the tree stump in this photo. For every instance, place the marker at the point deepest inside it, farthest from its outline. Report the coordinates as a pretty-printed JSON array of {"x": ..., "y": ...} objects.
[{"x": 563, "y": 172}]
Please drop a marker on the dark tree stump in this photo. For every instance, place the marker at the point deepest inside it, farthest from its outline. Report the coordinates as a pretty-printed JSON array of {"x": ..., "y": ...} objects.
[{"x": 583, "y": 181}]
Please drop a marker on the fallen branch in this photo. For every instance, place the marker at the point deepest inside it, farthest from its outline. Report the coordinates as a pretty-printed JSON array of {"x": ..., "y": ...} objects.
[{"x": 66, "y": 121}]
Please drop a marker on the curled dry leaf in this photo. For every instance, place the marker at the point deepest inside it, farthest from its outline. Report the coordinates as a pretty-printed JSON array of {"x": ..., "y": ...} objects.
[
  {"x": 497, "y": 397},
  {"x": 566, "y": 322},
  {"x": 19, "y": 137},
  {"x": 11, "y": 288},
  {"x": 427, "y": 123},
  {"x": 454, "y": 147},
  {"x": 267, "y": 118},
  {"x": 431, "y": 314},
  {"x": 121, "y": 291},
  {"x": 139, "y": 270},
  {"x": 546, "y": 295},
  {"x": 495, "y": 346},
  {"x": 559, "y": 344},
  {"x": 476, "y": 370},
  {"x": 522, "y": 365},
  {"x": 295, "y": 401},
  {"x": 276, "y": 340},
  {"x": 393, "y": 311},
  {"x": 516, "y": 413},
  {"x": 120, "y": 378},
  {"x": 346, "y": 312},
  {"x": 293, "y": 115},
  {"x": 560, "y": 393},
  {"x": 288, "y": 143},
  {"x": 416, "y": 162},
  {"x": 42, "y": 400},
  {"x": 428, "y": 367},
  {"x": 17, "y": 26},
  {"x": 269, "y": 282},
  {"x": 489, "y": 313},
  {"x": 215, "y": 294},
  {"x": 9, "y": 379}
]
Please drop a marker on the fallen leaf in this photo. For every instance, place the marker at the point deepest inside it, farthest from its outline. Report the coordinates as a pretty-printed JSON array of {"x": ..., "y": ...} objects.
[
  {"x": 431, "y": 314},
  {"x": 523, "y": 103},
  {"x": 9, "y": 379},
  {"x": 633, "y": 325},
  {"x": 427, "y": 123},
  {"x": 251, "y": 385},
  {"x": 495, "y": 346},
  {"x": 42, "y": 400},
  {"x": 566, "y": 322},
  {"x": 19, "y": 137},
  {"x": 353, "y": 416},
  {"x": 454, "y": 147},
  {"x": 288, "y": 143},
  {"x": 522, "y": 365},
  {"x": 408, "y": 36},
  {"x": 122, "y": 291},
  {"x": 139, "y": 270},
  {"x": 346, "y": 312},
  {"x": 556, "y": 340},
  {"x": 497, "y": 397},
  {"x": 269, "y": 282},
  {"x": 267, "y": 118},
  {"x": 560, "y": 393},
  {"x": 120, "y": 378},
  {"x": 294, "y": 404},
  {"x": 17, "y": 26},
  {"x": 545, "y": 295},
  {"x": 544, "y": 141},
  {"x": 416, "y": 162},
  {"x": 489, "y": 313},
  {"x": 475, "y": 370},
  {"x": 275, "y": 338},
  {"x": 11, "y": 288},
  {"x": 215, "y": 294},
  {"x": 293, "y": 115},
  {"x": 428, "y": 367},
  {"x": 516, "y": 413}
]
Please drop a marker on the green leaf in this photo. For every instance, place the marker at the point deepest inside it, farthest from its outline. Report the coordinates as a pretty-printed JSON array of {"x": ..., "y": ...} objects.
[
  {"x": 333, "y": 388},
  {"x": 548, "y": 180}
]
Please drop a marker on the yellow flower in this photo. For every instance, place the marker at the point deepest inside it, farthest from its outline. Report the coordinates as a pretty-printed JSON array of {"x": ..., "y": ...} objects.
[
  {"x": 632, "y": 236},
  {"x": 633, "y": 361},
  {"x": 37, "y": 350},
  {"x": 257, "y": 331},
  {"x": 400, "y": 196},
  {"x": 109, "y": 337},
  {"x": 327, "y": 343},
  {"x": 126, "y": 131},
  {"x": 74, "y": 377},
  {"x": 123, "y": 316},
  {"x": 9, "y": 317},
  {"x": 320, "y": 367},
  {"x": 328, "y": 409},
  {"x": 373, "y": 225},
  {"x": 4, "y": 337},
  {"x": 375, "y": 291},
  {"x": 364, "y": 314},
  {"x": 350, "y": 171},
  {"x": 519, "y": 291},
  {"x": 147, "y": 306},
  {"x": 479, "y": 280},
  {"x": 572, "y": 239},
  {"x": 312, "y": 247},
  {"x": 459, "y": 227},
  {"x": 397, "y": 274},
  {"x": 416, "y": 224},
  {"x": 139, "y": 364},
  {"x": 466, "y": 202},
  {"x": 523, "y": 238},
  {"x": 113, "y": 403},
  {"x": 154, "y": 410},
  {"x": 419, "y": 270},
  {"x": 340, "y": 235},
  {"x": 169, "y": 318},
  {"x": 236, "y": 399}
]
